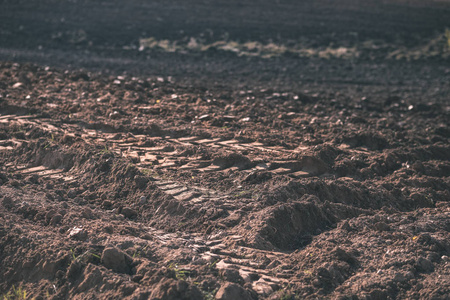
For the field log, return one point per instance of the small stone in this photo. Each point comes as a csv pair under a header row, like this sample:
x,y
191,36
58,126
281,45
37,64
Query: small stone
x,y
115,114
229,118
232,291
116,260
445,258
129,213
78,233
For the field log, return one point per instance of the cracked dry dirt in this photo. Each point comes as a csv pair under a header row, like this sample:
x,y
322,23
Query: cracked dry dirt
x,y
127,187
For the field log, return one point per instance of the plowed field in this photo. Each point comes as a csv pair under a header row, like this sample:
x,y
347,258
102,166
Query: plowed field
x,y
222,150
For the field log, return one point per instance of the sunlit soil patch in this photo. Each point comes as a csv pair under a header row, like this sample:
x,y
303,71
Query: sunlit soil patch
x,y
435,47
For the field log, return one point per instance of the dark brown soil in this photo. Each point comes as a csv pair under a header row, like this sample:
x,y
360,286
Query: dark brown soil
x,y
137,165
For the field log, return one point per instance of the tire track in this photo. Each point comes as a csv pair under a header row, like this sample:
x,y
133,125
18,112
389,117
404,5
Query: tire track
x,y
168,155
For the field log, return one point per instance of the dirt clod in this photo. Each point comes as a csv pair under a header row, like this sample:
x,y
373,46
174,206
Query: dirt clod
x,y
171,290
116,260
424,265
229,291
129,212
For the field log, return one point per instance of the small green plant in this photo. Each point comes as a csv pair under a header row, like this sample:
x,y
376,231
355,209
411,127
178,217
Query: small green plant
x,y
50,141
105,150
288,296
73,254
148,172
286,293
213,265
138,253
244,194
15,294
180,274
210,295
86,256
18,130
